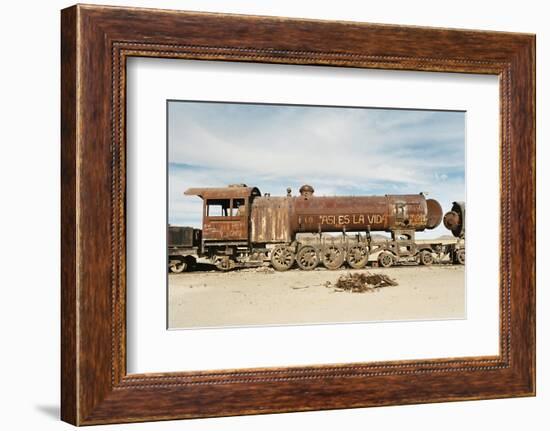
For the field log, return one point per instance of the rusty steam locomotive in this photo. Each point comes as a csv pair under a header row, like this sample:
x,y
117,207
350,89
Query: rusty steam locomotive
x,y
242,228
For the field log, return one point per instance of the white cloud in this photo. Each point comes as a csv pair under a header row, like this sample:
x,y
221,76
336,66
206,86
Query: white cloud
x,y
338,151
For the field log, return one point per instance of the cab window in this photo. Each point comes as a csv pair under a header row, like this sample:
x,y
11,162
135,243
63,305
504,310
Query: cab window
x,y
218,208
238,207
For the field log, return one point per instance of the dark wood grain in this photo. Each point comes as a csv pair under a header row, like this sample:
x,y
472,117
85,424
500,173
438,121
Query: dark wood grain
x,y
96,41
69,368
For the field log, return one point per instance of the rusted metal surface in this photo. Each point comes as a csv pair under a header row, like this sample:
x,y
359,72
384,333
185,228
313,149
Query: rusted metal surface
x,y
361,213
241,227
435,214
236,191
183,247
270,220
278,219
454,220
228,229
361,282
306,191
233,202
181,236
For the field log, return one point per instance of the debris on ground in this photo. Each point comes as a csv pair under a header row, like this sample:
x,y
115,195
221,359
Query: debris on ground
x,y
261,269
359,283
265,269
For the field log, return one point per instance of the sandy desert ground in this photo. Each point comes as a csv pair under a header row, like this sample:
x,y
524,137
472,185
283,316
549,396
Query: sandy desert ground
x,y
266,297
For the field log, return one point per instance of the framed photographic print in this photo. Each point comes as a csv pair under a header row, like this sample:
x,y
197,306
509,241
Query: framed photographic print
x,y
264,214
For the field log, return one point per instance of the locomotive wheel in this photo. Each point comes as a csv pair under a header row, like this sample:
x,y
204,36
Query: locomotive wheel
x,y
333,256
426,258
307,258
225,263
282,258
358,256
460,256
178,265
385,259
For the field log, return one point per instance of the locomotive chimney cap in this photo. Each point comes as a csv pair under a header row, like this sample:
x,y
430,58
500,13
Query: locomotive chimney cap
x,y
306,190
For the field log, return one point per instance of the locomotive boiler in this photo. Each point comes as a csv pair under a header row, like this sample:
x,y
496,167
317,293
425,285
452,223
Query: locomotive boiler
x,y
243,228
279,219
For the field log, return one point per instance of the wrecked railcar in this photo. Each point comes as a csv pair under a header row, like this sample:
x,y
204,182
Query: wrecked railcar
x,y
242,228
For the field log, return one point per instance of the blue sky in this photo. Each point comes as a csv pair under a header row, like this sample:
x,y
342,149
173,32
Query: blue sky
x,y
339,151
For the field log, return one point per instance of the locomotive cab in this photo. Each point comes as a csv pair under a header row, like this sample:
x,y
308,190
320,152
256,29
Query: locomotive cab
x,y
225,213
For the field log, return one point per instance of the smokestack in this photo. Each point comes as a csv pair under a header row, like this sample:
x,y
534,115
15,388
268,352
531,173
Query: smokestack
x,y
306,191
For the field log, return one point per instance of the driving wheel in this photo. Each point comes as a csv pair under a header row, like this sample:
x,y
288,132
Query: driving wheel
x,y
307,258
358,256
282,258
333,256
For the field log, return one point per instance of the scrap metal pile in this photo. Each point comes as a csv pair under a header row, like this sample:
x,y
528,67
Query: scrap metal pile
x,y
359,283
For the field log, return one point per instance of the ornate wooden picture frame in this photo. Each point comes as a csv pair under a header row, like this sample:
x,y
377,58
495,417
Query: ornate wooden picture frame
x,y
96,42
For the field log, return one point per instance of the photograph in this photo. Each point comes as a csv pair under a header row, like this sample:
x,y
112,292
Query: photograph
x,y
262,211
283,214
